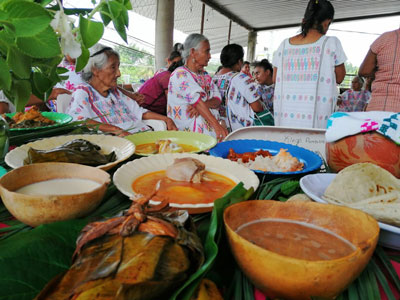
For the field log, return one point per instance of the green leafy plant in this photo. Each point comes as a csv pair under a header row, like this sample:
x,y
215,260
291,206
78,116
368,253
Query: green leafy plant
x,y
34,36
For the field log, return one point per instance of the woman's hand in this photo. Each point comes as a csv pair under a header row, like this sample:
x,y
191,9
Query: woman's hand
x,y
192,111
58,91
220,131
139,98
170,124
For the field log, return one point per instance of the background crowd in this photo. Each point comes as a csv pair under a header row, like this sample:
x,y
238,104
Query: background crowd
x,y
297,89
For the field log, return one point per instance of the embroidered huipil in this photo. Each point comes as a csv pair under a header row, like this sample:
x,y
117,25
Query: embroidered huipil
x,y
222,81
305,87
242,91
266,92
354,100
115,109
186,88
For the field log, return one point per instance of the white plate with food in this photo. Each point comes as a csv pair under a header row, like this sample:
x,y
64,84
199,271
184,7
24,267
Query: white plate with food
x,y
315,185
148,175
101,145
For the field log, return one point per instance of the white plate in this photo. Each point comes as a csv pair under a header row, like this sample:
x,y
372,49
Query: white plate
x,y
314,185
122,147
127,173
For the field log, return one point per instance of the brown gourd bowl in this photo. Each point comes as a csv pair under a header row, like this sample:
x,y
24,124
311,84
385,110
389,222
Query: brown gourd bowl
x,y
370,147
35,210
280,276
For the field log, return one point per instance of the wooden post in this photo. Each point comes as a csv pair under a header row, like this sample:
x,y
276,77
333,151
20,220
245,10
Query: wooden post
x,y
203,10
229,32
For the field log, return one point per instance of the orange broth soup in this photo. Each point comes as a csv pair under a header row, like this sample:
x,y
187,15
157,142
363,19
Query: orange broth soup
x,y
296,239
152,148
184,192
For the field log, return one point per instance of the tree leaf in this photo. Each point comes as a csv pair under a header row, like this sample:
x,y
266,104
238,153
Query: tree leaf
x,y
105,14
5,76
46,249
91,31
41,82
23,91
19,63
43,45
118,11
82,60
28,18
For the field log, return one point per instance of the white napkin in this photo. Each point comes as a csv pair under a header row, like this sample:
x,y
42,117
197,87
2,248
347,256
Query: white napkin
x,y
341,124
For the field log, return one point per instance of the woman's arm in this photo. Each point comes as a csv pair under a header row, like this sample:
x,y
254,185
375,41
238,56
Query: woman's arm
x,y
274,74
139,98
369,65
213,102
115,130
155,116
256,106
203,110
340,72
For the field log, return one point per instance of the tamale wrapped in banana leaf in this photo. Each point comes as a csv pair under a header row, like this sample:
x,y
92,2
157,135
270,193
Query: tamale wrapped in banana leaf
x,y
139,255
77,151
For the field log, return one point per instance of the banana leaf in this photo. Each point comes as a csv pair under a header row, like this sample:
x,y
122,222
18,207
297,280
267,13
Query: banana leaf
x,y
212,237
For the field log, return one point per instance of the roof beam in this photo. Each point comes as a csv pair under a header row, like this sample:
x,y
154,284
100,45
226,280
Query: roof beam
x,y
335,20
228,14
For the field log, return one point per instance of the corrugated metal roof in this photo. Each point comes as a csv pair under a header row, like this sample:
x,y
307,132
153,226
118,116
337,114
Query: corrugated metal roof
x,y
257,15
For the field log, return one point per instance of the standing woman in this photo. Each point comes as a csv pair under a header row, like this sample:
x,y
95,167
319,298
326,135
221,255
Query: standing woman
x,y
263,72
193,98
307,68
237,89
383,62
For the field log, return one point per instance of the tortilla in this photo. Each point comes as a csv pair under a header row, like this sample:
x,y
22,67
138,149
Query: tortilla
x,y
360,182
369,188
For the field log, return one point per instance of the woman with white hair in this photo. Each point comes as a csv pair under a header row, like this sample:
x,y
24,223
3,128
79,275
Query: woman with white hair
x,y
100,101
354,99
193,98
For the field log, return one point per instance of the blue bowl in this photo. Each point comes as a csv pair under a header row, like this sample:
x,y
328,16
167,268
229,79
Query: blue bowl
x,y
311,160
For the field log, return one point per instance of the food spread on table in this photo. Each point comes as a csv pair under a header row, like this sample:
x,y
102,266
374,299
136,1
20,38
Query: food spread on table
x,y
59,186
164,146
77,151
29,119
367,187
185,181
264,161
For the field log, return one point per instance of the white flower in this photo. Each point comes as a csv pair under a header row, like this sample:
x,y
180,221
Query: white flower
x,y
62,26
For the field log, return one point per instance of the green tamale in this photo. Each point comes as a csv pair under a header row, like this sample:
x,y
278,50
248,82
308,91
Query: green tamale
x,y
77,151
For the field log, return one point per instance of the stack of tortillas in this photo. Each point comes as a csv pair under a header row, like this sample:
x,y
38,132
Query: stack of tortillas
x,y
369,188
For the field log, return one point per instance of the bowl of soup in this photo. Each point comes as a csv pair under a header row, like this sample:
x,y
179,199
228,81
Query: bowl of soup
x,y
49,192
300,250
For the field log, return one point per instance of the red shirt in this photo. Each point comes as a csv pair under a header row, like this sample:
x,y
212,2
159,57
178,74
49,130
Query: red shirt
x,y
154,93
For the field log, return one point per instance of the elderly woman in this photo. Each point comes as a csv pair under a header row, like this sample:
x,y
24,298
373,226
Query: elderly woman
x,y
193,98
237,89
100,101
354,99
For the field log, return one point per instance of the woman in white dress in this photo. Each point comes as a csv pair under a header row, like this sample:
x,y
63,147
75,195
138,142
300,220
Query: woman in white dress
x,y
307,68
100,102
193,98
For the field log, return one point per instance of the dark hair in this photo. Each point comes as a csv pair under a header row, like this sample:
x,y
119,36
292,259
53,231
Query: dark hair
x,y
178,47
317,11
246,63
265,64
174,54
231,54
175,65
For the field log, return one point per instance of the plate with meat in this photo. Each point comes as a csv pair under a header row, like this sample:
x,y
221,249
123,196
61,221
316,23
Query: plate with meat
x,y
33,119
268,157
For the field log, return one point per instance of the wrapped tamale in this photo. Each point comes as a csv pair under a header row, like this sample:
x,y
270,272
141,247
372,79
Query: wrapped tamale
x,y
77,151
136,256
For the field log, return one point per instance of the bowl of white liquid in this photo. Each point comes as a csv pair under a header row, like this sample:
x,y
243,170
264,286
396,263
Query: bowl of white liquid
x,y
49,192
